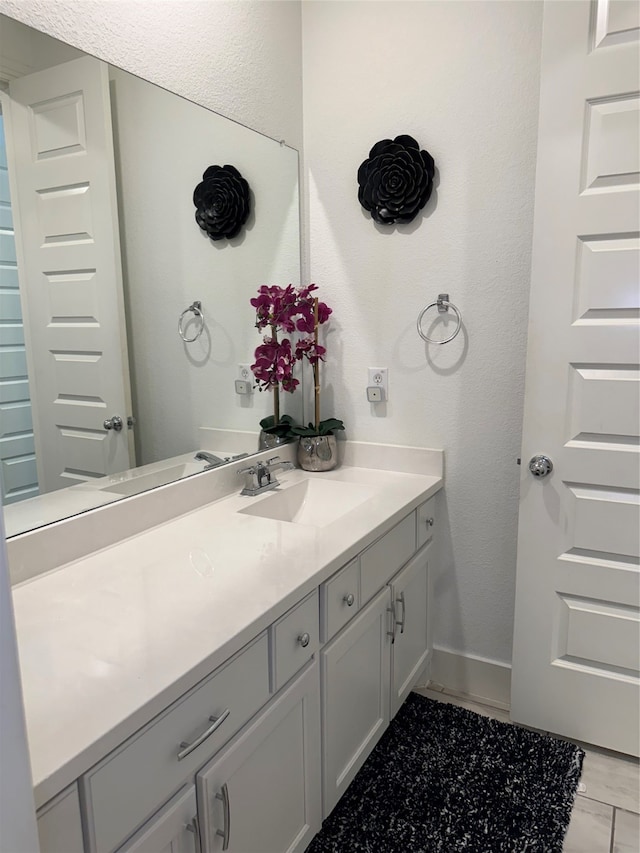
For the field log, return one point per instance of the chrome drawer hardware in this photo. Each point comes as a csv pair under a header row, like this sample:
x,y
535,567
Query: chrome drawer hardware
x,y
187,748
540,466
392,632
429,522
304,640
404,612
114,423
349,599
226,811
194,827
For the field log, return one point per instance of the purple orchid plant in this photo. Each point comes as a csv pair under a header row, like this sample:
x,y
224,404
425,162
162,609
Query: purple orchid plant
x,y
289,310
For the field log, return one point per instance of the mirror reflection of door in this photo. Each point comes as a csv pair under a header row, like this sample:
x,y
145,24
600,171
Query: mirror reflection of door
x,y
61,164
18,475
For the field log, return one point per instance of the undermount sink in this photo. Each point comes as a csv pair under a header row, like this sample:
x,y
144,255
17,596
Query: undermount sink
x,y
312,502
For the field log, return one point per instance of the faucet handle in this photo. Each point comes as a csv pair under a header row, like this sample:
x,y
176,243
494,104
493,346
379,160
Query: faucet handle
x,y
249,470
275,462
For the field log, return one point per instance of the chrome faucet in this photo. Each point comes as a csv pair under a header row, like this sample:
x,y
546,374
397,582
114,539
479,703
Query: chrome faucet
x,y
209,458
258,477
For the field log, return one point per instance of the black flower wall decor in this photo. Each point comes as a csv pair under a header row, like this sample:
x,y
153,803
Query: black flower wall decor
x,y
222,202
396,180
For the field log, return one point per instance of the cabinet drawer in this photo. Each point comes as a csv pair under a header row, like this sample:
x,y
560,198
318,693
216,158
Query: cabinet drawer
x,y
125,788
426,521
382,560
339,600
294,639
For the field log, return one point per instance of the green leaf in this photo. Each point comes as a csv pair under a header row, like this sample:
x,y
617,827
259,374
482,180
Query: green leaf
x,y
282,428
326,427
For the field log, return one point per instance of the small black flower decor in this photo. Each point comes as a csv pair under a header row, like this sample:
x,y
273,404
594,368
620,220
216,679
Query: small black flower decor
x,y
222,202
396,180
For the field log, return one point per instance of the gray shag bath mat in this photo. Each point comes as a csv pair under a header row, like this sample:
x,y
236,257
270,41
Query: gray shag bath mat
x,y
443,779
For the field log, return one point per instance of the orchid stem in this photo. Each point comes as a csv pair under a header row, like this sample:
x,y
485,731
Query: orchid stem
x,y
276,388
316,366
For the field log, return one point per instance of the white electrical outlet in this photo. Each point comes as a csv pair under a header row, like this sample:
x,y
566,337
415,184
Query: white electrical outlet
x,y
379,378
244,372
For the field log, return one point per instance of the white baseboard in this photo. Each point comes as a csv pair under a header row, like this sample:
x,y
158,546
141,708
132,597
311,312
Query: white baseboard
x,y
479,679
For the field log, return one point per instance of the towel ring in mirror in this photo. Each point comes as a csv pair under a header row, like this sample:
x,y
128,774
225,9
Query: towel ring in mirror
x,y
196,309
442,304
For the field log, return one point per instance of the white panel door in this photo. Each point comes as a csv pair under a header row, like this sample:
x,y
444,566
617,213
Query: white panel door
x,y
18,476
576,639
61,158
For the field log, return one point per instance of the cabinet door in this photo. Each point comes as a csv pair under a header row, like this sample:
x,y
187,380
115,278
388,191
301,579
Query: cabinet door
x,y
261,794
409,590
174,829
355,696
60,824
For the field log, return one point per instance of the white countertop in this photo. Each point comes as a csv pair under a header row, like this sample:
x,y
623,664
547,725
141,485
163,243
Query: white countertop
x,y
108,641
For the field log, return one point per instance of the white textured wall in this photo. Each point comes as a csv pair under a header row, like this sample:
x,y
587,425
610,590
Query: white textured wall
x,y
462,78
239,57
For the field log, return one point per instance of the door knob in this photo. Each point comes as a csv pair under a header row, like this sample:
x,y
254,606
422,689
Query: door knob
x,y
540,466
115,423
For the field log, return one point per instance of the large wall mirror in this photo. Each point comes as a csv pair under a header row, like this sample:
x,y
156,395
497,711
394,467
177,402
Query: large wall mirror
x,y
97,172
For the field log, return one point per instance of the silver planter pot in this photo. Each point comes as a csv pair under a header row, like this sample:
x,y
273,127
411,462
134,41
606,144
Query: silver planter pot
x,y
317,452
269,439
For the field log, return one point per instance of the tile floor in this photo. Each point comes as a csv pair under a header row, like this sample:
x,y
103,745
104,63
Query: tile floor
x,y
605,816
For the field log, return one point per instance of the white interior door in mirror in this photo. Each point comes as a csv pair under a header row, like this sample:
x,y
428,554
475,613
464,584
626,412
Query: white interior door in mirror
x,y
60,148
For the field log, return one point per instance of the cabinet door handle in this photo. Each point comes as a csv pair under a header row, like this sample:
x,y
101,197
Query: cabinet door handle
x,y
226,811
186,748
194,827
404,612
392,632
429,521
349,599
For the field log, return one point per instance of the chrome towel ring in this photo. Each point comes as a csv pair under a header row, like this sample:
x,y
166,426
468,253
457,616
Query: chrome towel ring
x,y
196,309
442,304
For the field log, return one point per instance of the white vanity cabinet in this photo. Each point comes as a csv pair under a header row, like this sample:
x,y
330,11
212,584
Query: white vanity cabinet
x,y
256,754
370,666
261,794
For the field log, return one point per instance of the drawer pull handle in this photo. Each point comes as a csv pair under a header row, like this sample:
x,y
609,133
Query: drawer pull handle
x,y
304,640
429,521
226,811
392,632
194,827
186,748
404,612
349,599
